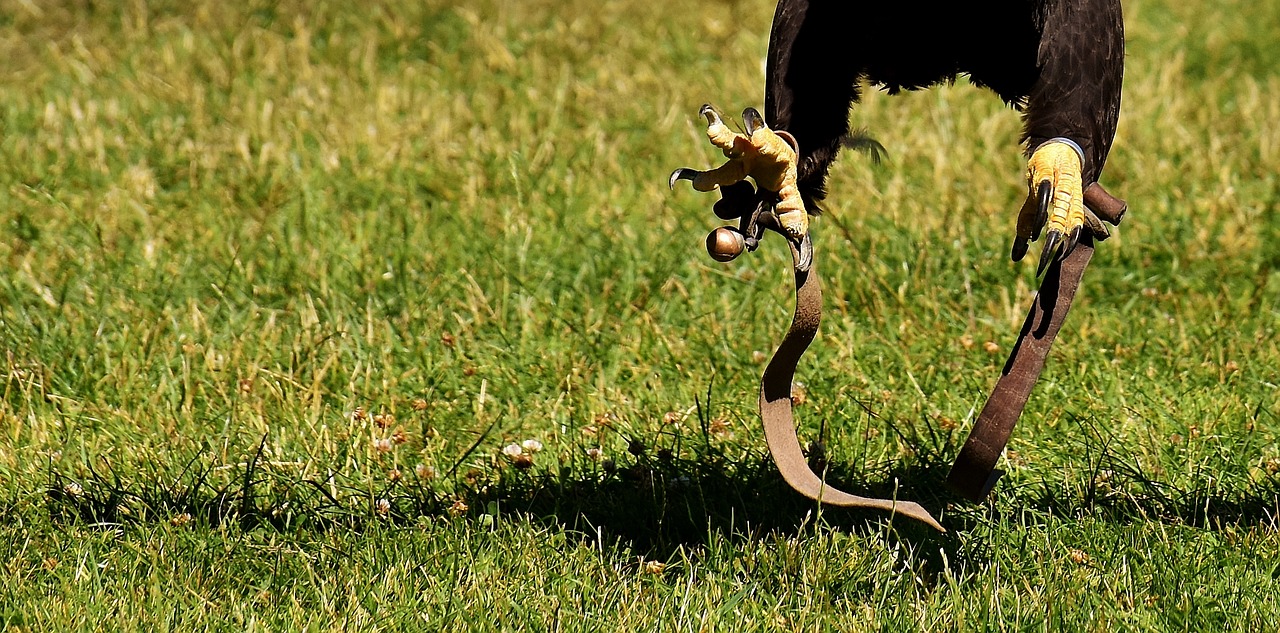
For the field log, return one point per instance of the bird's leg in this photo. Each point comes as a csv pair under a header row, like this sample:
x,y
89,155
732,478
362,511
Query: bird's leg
x,y
768,157
774,169
1055,202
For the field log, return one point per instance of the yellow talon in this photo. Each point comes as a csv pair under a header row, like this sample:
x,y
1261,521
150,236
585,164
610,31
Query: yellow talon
x,y
1060,164
761,154
1055,201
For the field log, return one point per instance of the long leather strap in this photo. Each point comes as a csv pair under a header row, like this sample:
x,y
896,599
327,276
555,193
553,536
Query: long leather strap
x,y
974,472
779,422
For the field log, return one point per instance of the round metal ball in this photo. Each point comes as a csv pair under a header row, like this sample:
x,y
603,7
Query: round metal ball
x,y
725,243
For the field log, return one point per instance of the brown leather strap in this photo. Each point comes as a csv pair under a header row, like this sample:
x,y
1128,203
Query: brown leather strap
x,y
974,472
779,422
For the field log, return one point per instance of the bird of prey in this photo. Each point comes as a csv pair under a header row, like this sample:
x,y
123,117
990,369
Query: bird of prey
x,y
1060,62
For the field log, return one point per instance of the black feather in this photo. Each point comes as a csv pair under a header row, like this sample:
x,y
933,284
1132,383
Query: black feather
x,y
1060,61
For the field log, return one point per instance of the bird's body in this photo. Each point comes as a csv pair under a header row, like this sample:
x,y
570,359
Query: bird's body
x,y
1060,61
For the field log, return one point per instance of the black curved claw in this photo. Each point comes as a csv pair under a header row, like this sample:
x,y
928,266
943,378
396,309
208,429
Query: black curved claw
x,y
804,254
752,120
684,173
710,112
1045,193
1019,249
1051,250
1072,240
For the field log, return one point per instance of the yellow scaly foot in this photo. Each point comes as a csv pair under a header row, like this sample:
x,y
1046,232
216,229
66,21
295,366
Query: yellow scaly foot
x,y
1055,202
766,156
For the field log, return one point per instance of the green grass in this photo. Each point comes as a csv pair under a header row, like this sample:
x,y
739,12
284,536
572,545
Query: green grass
x,y
245,244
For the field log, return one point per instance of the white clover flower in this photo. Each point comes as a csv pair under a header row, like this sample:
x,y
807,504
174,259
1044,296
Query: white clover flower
x,y
383,507
512,450
383,444
532,446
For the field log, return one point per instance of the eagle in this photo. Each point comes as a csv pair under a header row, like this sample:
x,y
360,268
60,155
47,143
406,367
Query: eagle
x,y
1059,62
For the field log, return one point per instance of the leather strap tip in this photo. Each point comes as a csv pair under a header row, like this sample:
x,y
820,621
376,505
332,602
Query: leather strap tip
x,y
915,511
1106,206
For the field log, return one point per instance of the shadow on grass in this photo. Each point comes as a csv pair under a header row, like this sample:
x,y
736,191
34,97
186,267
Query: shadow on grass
x,y
655,503
1120,490
652,502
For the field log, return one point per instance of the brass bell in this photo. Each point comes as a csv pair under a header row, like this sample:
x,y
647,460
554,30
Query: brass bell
x,y
725,244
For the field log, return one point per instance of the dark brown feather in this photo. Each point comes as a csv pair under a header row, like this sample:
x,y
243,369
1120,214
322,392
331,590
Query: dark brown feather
x,y
1060,61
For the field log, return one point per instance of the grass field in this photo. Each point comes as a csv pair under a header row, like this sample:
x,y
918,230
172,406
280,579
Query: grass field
x,y
282,279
